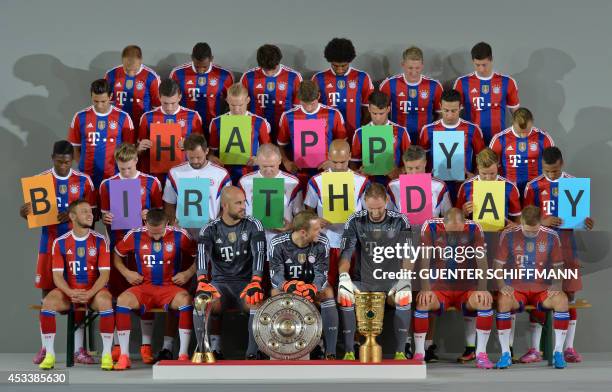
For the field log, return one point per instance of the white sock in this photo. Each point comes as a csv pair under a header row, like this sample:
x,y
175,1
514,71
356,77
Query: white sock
x,y
79,334
571,332
146,328
107,342
469,324
48,339
168,342
124,341
215,343
409,339
513,317
536,335
184,337
428,343
483,339
560,335
419,343
504,339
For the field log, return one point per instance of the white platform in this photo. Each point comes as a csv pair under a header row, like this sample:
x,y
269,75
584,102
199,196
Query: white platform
x,y
389,371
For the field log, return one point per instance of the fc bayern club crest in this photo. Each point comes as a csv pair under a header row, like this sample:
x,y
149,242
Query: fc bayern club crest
x,y
213,82
113,125
282,86
541,247
169,247
424,94
352,84
533,146
244,236
311,259
74,189
182,123
496,89
139,85
142,190
92,251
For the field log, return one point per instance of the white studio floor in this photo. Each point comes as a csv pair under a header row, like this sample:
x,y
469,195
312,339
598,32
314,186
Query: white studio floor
x,y
594,374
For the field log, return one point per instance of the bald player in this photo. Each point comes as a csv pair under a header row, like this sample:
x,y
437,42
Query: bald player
x,y
231,255
339,157
268,160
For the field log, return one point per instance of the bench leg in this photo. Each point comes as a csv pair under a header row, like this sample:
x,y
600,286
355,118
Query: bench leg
x,y
89,323
548,337
70,339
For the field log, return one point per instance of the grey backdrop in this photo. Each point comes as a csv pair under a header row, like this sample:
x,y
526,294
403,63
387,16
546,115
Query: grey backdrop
x,y
558,51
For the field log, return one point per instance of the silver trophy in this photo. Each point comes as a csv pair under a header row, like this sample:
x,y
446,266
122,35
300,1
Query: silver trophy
x,y
287,327
203,306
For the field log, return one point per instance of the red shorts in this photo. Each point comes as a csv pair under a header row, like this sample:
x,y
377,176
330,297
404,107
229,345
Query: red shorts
x,y
451,298
102,290
534,298
44,274
150,296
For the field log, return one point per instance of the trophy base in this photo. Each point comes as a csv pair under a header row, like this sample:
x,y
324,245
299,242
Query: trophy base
x,y
370,354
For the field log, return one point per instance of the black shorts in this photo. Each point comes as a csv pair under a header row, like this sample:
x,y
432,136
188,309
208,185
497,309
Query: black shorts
x,y
230,293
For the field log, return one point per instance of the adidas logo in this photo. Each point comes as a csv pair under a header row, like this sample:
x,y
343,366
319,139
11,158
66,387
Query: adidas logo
x,y
69,252
219,241
329,85
258,85
474,90
145,246
118,84
509,148
519,248
90,125
189,82
288,261
401,94
544,193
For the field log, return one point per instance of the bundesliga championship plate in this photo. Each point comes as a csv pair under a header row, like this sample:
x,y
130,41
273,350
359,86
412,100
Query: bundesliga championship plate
x,y
287,327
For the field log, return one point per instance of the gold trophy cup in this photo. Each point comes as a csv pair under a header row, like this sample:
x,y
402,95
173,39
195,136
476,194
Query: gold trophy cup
x,y
203,305
370,311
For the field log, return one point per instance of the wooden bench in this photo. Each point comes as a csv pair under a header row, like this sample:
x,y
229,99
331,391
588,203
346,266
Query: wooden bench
x,y
87,322
547,343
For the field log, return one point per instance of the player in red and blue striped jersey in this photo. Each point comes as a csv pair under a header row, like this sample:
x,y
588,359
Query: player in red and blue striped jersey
x,y
450,121
379,106
135,86
543,192
309,109
415,98
487,162
203,84
487,94
160,251
342,86
532,247
520,149
95,133
169,112
470,295
272,87
80,271
70,185
238,100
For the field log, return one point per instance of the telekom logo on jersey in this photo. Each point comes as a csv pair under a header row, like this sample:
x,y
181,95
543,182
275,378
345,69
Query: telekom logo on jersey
x,y
478,102
548,206
93,138
149,261
121,97
262,99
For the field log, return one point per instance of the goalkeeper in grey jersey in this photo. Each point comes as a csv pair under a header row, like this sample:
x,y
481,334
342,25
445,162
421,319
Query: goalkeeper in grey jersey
x,y
361,226
231,255
299,261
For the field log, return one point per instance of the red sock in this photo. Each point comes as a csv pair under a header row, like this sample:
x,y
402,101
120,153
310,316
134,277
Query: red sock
x,y
484,320
421,321
561,320
503,321
123,319
47,321
573,314
537,316
107,321
185,317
